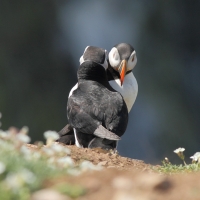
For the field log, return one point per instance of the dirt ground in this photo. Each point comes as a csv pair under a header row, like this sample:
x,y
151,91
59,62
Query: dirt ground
x,y
128,179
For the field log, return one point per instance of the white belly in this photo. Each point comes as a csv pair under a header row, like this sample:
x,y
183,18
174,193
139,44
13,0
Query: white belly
x,y
128,90
76,140
74,88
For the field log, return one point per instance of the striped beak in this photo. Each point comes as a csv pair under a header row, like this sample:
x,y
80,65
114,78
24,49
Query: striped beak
x,y
122,70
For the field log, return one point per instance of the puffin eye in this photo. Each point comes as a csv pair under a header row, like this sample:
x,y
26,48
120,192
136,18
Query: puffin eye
x,y
133,56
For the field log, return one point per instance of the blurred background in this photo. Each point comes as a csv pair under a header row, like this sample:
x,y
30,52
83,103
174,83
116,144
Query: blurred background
x,y
40,46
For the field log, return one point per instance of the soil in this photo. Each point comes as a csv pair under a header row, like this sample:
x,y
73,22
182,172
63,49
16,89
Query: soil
x,y
128,179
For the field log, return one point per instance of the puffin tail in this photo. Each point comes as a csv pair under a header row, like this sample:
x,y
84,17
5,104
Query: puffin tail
x,y
104,133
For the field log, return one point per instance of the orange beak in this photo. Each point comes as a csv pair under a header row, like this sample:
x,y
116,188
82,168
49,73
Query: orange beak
x,y
122,70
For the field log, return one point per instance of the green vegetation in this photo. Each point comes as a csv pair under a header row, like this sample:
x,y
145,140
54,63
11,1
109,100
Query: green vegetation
x,y
24,170
168,168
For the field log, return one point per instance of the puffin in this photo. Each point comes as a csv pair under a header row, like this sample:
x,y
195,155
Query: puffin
x,y
121,61
97,112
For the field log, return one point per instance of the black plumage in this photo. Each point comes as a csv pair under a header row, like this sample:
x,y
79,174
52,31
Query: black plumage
x,y
95,109
124,50
66,135
98,55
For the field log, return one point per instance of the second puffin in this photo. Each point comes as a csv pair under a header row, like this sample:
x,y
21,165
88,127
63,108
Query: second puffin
x,y
97,113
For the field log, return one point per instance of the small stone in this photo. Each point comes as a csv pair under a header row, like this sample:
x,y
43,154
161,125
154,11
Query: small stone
x,y
155,182
103,163
100,150
112,166
164,185
92,184
123,183
115,160
121,195
114,156
48,194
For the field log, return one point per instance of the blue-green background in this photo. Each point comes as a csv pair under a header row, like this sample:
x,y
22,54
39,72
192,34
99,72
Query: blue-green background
x,y
40,46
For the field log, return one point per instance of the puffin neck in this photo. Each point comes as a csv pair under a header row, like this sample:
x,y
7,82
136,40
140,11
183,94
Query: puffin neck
x,y
92,71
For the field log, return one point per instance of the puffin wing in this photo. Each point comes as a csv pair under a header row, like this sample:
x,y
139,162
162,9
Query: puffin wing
x,y
66,135
87,117
116,114
104,133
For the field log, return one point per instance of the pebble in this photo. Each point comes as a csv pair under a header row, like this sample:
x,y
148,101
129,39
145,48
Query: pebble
x,y
103,163
121,195
115,160
123,183
112,166
48,194
121,164
114,156
155,182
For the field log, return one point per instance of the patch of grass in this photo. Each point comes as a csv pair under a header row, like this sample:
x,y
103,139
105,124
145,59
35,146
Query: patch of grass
x,y
168,168
73,191
24,170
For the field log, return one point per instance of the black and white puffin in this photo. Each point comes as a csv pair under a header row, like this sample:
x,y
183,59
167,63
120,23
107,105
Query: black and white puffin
x,y
121,60
97,112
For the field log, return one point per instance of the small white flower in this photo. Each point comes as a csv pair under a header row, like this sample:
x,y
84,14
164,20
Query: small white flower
x,y
28,176
13,181
26,152
73,171
60,148
48,151
3,134
23,138
51,134
180,154
65,161
36,155
24,130
18,179
87,165
179,150
2,168
195,157
5,145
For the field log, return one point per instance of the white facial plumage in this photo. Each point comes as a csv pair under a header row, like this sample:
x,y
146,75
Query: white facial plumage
x,y
132,61
115,60
81,60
